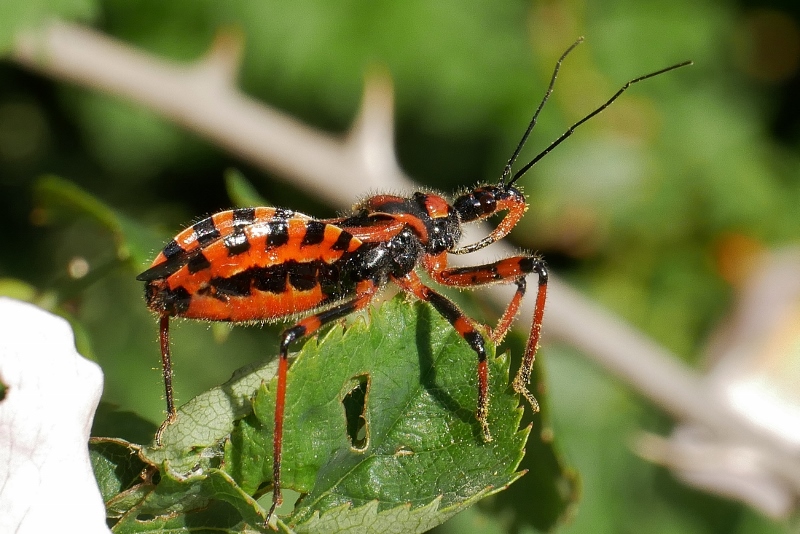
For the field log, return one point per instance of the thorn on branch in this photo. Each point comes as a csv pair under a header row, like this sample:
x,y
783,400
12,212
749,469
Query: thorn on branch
x,y
220,65
371,137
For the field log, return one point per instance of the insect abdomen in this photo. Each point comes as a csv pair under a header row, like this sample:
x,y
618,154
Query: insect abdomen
x,y
250,264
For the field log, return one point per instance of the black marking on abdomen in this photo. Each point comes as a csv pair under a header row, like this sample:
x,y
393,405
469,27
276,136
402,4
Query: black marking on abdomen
x,y
330,278
197,263
206,231
243,216
270,279
281,278
172,249
315,233
176,259
303,276
233,286
343,241
278,232
237,242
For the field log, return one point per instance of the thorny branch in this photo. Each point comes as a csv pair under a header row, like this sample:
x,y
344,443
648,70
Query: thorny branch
x,y
203,98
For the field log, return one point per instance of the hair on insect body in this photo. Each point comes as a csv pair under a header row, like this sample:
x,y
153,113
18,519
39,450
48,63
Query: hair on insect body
x,y
268,264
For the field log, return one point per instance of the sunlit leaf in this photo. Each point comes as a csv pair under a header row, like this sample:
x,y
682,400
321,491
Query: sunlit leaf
x,y
420,457
423,442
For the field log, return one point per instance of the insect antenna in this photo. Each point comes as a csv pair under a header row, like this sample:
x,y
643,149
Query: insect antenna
x,y
515,155
572,128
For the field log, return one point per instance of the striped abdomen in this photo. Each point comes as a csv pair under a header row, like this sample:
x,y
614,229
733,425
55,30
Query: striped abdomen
x,y
250,264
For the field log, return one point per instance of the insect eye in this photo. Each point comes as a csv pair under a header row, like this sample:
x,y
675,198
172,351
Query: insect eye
x,y
488,203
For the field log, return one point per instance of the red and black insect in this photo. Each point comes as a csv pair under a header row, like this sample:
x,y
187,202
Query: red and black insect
x,y
265,264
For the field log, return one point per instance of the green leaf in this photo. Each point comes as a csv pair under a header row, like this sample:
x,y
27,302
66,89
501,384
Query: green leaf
x,y
208,419
400,519
116,465
207,501
143,499
415,459
424,445
543,497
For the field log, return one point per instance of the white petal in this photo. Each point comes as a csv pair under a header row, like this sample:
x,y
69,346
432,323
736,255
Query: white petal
x,y
46,481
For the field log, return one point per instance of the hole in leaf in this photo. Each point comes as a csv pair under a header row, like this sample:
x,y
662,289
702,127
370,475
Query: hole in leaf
x,y
355,410
402,450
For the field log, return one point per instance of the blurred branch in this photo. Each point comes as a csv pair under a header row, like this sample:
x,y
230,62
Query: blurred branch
x,y
203,98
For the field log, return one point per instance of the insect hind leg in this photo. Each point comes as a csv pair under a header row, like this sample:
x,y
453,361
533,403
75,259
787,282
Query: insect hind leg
x,y
304,328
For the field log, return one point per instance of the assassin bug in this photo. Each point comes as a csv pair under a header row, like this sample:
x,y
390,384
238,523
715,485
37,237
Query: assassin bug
x,y
265,264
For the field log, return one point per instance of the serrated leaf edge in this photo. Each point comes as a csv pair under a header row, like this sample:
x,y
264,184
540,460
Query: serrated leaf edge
x,y
437,516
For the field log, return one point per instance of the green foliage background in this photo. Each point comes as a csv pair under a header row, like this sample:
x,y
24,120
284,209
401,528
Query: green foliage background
x,y
645,209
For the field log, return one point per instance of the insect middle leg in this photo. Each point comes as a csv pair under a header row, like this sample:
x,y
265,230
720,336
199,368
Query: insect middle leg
x,y
304,328
466,329
508,270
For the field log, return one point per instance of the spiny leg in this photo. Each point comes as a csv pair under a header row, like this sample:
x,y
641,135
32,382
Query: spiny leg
x,y
166,370
523,377
504,271
465,328
498,333
306,327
